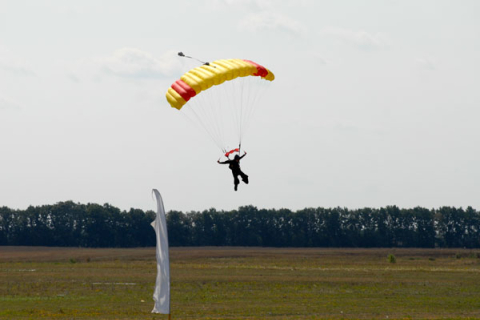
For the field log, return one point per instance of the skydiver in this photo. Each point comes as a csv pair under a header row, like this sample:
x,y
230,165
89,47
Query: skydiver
x,y
234,165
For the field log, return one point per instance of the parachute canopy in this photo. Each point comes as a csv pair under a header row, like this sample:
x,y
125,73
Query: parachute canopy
x,y
221,97
214,73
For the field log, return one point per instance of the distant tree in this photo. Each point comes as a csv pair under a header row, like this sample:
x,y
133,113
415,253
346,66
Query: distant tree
x,y
178,229
97,227
333,227
424,227
450,227
471,238
40,232
385,229
367,228
267,228
301,227
395,225
7,226
64,220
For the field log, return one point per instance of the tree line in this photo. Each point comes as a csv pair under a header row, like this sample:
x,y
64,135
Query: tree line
x,y
70,224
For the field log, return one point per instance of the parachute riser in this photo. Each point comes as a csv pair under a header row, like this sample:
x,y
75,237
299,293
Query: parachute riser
x,y
236,150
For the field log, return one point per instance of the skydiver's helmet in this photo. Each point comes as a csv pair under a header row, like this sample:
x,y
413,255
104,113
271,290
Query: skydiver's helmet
x,y
237,157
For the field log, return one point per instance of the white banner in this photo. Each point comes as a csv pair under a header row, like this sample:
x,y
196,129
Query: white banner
x,y
161,295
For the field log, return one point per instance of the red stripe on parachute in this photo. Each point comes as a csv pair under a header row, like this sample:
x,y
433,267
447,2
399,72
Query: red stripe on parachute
x,y
261,70
183,89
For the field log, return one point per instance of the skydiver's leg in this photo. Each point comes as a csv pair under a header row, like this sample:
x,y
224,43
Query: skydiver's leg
x,y
235,181
244,177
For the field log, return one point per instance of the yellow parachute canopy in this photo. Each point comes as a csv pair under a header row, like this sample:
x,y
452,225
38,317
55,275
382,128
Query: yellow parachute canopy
x,y
214,73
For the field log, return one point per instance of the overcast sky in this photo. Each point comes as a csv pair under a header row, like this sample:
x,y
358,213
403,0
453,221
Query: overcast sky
x,y
374,103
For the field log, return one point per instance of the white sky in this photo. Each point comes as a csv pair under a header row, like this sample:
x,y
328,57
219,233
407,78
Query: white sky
x,y
375,103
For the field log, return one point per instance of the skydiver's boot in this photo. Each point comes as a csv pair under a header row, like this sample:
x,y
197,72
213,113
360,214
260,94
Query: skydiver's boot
x,y
236,187
245,178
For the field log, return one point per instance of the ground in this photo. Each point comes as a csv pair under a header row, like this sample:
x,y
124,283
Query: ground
x,y
241,283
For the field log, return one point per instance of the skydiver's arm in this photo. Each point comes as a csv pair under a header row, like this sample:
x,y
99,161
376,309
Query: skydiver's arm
x,y
223,162
243,154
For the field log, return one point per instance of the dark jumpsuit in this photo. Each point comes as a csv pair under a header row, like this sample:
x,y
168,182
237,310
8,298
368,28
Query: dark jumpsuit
x,y
234,165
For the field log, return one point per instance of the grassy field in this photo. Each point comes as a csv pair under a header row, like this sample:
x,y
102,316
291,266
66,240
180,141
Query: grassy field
x,y
241,283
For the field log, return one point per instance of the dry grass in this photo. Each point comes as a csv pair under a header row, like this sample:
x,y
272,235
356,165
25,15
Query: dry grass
x,y
241,283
